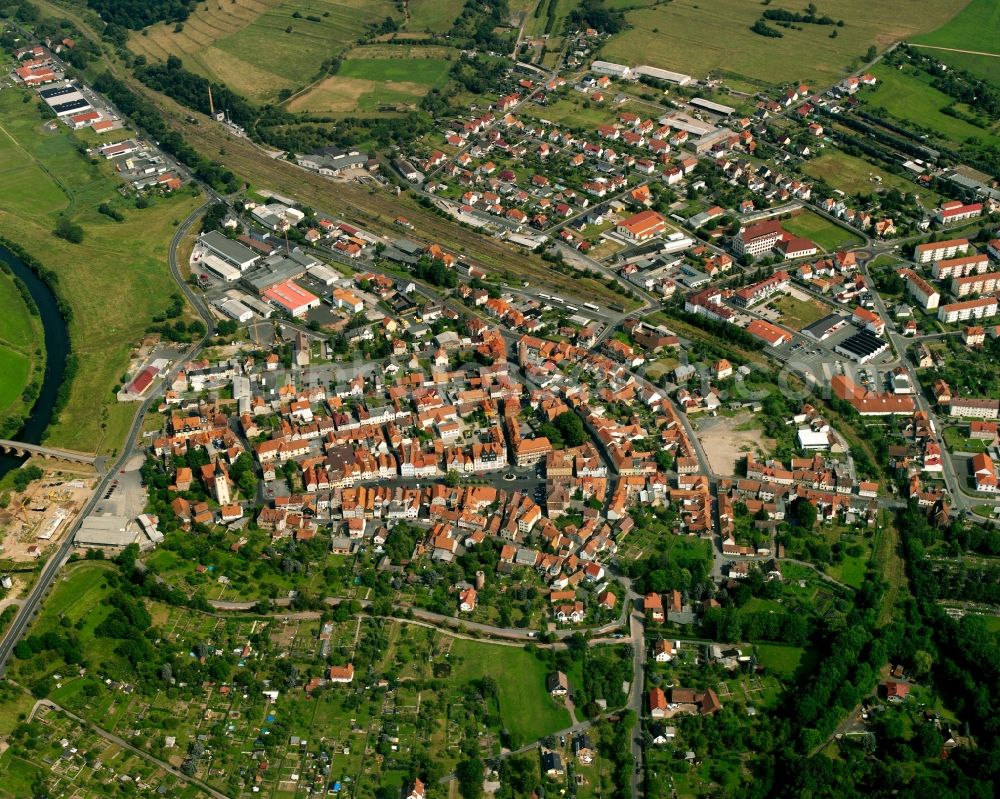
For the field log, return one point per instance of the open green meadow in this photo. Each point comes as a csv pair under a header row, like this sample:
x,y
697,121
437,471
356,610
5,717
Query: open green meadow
x,y
906,94
526,707
854,175
20,343
822,231
976,27
119,265
434,16
369,84
684,35
259,47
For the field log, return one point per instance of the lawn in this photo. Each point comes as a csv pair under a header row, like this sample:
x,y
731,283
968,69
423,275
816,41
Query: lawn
x,y
528,711
783,660
956,442
906,95
118,265
796,313
684,35
825,233
855,175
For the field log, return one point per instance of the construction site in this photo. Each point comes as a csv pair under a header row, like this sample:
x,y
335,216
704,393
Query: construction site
x,y
36,519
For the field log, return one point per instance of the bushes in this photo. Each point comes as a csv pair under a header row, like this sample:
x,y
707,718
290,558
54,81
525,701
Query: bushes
x,y
70,231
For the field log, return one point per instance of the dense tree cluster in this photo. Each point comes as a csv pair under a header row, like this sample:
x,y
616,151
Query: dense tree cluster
x,y
595,14
136,14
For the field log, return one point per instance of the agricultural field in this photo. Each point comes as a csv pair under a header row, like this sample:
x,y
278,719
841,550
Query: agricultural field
x,y
854,175
826,234
389,79
684,36
118,265
975,28
906,95
20,351
248,45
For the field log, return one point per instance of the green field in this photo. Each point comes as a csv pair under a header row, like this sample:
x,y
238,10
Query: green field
x,y
975,27
783,660
246,43
854,175
907,95
20,343
78,596
436,16
685,35
526,707
369,85
118,266
822,231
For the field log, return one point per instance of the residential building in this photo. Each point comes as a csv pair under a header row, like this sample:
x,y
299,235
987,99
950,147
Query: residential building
x,y
974,407
956,211
959,267
922,291
938,250
983,308
975,284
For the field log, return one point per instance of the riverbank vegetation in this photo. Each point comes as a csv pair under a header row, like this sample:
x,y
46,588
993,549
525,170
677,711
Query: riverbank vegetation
x,y
22,353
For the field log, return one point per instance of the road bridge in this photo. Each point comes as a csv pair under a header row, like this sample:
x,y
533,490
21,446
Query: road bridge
x,y
21,449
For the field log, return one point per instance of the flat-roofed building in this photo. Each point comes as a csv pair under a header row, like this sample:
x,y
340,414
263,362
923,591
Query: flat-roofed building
x,y
232,251
937,250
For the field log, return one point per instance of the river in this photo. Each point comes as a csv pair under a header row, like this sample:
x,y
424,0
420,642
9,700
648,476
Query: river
x,y
56,351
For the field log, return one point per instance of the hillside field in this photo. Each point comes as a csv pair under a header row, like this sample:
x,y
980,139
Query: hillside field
x,y
246,44
975,27
906,94
699,38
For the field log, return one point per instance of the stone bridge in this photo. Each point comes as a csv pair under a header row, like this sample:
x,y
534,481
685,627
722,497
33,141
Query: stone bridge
x,y
21,449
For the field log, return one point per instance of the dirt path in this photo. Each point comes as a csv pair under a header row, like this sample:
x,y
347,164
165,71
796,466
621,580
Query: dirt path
x,y
956,50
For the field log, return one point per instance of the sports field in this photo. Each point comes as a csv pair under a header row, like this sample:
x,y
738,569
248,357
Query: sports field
x,y
825,233
368,85
20,342
976,27
686,36
855,175
247,44
907,95
118,266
